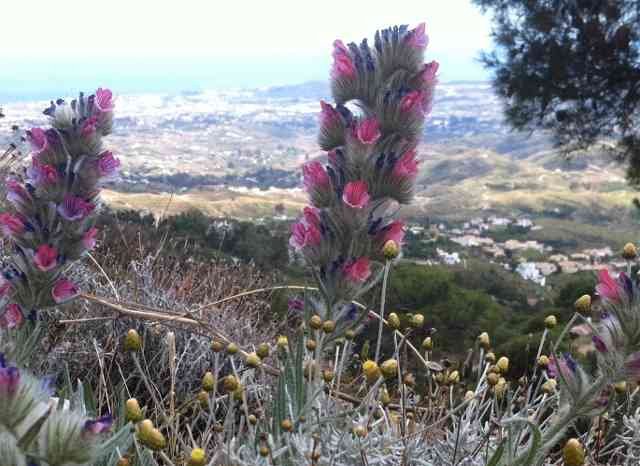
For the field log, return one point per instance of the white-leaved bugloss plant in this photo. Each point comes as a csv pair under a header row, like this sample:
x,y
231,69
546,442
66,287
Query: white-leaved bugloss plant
x,y
382,96
36,431
51,219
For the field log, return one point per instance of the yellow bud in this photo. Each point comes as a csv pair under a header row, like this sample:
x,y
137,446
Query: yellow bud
x,y
490,358
197,457
360,431
133,412
232,348
484,341
573,453
492,378
230,383
315,322
543,361
328,326
264,451
253,360
203,399
217,346
454,377
500,388
390,250
549,387
385,399
389,368
583,304
282,342
132,341
311,344
371,370
503,364
327,375
409,379
417,321
629,252
238,393
349,334
286,425
208,382
124,461
253,420
439,377
151,437
620,387
394,321
427,344
263,350
550,322
470,395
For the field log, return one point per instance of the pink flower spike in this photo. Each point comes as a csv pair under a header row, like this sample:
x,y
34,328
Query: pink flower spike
x,y
46,258
5,287
417,38
104,100
607,287
429,73
339,48
16,193
406,166
89,238
343,67
108,165
356,194
311,216
75,208
315,176
357,271
11,225
9,378
329,116
413,102
368,131
303,235
41,174
392,232
63,291
38,139
12,317
89,126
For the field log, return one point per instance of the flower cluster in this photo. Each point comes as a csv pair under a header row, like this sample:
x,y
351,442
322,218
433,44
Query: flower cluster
x,y
371,159
51,218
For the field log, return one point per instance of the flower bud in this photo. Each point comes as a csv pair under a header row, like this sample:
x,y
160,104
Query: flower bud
x,y
503,364
390,250
385,398
286,425
629,252
217,346
573,453
493,378
132,411
203,399
253,420
470,395
315,322
328,326
282,342
360,431
208,382
483,340
417,321
389,368
253,360
371,370
454,377
620,387
549,387
124,461
550,322
238,393
132,341
263,350
197,457
427,344
394,321
350,334
500,388
264,451
230,383
409,379
490,358
327,375
583,304
311,344
151,437
543,361
232,349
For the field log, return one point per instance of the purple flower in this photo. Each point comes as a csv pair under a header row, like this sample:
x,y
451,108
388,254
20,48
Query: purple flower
x,y
104,100
367,131
46,258
37,137
9,378
64,290
599,343
75,208
296,304
89,238
356,194
417,38
41,174
343,67
11,225
315,177
632,366
107,164
12,317
608,288
98,426
406,168
329,116
358,270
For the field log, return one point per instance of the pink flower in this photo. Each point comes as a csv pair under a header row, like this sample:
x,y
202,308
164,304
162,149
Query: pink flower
x,y
63,291
16,193
11,225
41,174
406,166
12,317
107,164
38,139
75,208
343,66
417,38
413,102
429,72
5,287
329,116
315,177
368,131
89,238
356,194
306,232
46,257
104,100
89,126
311,216
357,271
607,287
394,231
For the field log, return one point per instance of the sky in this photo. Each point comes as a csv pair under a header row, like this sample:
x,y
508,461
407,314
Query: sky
x,y
197,44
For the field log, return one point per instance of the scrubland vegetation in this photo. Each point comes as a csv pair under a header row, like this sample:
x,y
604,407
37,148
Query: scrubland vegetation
x,y
188,340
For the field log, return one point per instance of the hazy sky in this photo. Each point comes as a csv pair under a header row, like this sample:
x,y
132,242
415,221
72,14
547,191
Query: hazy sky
x,y
239,40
